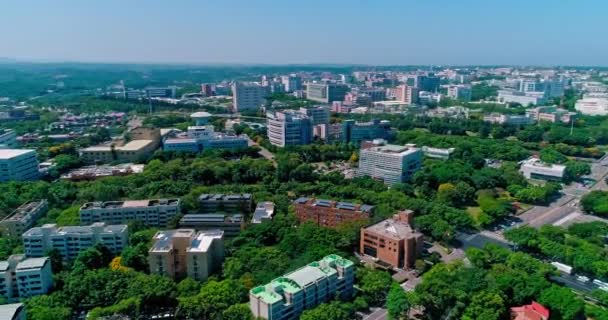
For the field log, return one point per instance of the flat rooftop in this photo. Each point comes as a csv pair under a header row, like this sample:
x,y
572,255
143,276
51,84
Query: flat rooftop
x,y
392,148
129,204
25,210
6,154
135,145
32,263
199,241
393,229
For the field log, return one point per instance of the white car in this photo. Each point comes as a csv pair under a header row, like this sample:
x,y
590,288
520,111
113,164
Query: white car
x,y
582,278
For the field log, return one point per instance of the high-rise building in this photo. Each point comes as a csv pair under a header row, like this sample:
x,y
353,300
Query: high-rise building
x,y
8,139
460,92
23,218
317,114
428,83
185,252
70,240
153,213
326,92
355,132
207,89
286,297
288,128
248,96
22,277
292,82
389,163
18,165
406,94
393,241
328,213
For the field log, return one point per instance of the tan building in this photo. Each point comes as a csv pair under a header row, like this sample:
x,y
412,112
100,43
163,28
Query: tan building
x,y
406,94
392,242
185,252
23,218
144,141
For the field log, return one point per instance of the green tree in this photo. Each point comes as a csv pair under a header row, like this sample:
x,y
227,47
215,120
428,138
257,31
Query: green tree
x,y
237,312
397,302
564,303
374,285
485,306
334,310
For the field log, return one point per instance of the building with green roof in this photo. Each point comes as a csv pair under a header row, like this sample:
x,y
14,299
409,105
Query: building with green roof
x,y
287,296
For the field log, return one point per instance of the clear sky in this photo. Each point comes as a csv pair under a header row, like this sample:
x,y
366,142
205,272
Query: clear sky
x,y
547,32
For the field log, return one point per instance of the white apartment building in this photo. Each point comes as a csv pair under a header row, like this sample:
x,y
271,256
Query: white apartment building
x,y
22,277
292,82
71,240
534,168
23,218
18,165
286,297
592,106
153,213
248,96
288,128
185,252
389,163
8,139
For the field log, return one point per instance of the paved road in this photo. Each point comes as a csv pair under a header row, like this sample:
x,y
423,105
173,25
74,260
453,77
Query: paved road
x,y
479,240
378,314
263,151
541,215
572,283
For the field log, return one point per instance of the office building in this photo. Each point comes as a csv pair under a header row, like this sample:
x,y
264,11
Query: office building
x,y
532,311
286,297
264,211
23,218
550,114
389,163
534,168
232,203
22,277
161,92
437,153
207,89
288,128
200,138
69,241
292,82
248,96
8,139
317,114
592,106
511,119
428,83
18,165
460,92
374,94
13,311
406,94
230,224
186,253
329,213
326,92
153,213
393,243
523,98
355,132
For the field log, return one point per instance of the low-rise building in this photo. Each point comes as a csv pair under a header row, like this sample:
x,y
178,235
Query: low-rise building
x,y
454,112
534,168
264,211
199,138
592,106
511,119
286,297
8,139
393,243
550,114
438,153
532,311
460,92
523,98
329,213
185,252
22,277
233,203
23,218
13,311
96,172
153,213
69,241
18,165
230,224
389,163
133,151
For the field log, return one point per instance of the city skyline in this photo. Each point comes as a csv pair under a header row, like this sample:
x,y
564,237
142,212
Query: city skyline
x,y
470,32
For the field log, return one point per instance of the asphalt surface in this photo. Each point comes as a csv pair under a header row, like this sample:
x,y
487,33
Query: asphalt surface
x,y
478,240
378,314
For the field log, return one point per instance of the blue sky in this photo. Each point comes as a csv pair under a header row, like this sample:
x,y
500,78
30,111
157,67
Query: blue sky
x,y
547,32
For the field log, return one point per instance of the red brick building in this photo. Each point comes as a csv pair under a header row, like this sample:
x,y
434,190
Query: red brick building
x,y
533,311
329,213
393,242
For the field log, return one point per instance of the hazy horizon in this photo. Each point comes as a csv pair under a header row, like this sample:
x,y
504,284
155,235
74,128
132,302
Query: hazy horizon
x,y
271,32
